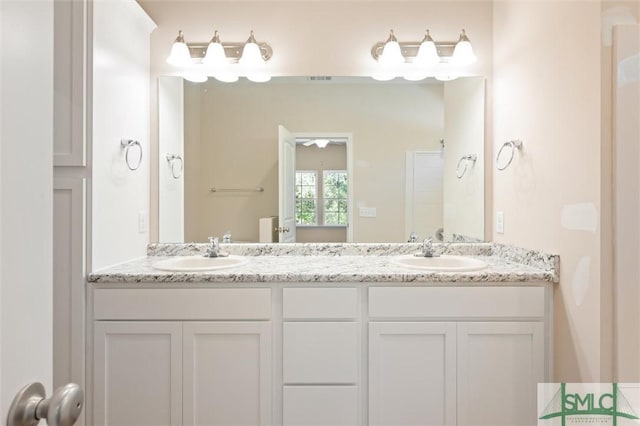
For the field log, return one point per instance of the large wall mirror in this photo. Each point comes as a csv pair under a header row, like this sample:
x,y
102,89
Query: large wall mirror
x,y
363,161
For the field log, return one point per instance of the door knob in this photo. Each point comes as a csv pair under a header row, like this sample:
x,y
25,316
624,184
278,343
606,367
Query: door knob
x,y
282,229
30,406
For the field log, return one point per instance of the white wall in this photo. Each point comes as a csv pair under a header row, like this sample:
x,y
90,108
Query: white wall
x,y
547,93
464,135
120,110
26,188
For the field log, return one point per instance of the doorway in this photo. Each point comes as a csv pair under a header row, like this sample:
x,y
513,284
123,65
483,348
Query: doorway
x,y
323,187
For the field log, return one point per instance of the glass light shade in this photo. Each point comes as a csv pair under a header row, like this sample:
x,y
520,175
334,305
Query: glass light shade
x,y
463,52
415,74
445,76
383,74
179,56
259,76
391,54
427,54
194,76
215,56
251,56
225,75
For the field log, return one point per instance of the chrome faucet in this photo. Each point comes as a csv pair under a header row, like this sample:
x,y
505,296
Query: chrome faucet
x,y
413,237
213,250
427,248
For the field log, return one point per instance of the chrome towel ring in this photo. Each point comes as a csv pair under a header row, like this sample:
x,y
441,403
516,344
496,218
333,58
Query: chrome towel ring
x,y
514,144
126,144
464,161
174,159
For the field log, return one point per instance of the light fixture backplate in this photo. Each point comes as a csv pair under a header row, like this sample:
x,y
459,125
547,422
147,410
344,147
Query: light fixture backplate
x,y
233,51
409,49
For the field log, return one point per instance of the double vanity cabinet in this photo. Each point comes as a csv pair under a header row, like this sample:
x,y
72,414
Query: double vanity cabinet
x,y
318,353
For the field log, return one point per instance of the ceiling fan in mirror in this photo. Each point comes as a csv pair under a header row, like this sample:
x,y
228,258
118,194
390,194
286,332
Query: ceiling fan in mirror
x,y
319,142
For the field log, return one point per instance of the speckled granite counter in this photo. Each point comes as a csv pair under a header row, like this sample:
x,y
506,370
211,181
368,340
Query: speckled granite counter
x,y
315,263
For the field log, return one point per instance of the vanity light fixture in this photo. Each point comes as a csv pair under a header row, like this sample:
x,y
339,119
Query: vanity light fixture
x,y
215,55
252,61
415,60
427,52
179,56
463,52
223,61
391,53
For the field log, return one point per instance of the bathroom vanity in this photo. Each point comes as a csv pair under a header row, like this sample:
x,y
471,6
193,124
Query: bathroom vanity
x,y
321,335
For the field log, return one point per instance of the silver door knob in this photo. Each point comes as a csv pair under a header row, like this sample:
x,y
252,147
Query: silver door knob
x,y
282,229
30,406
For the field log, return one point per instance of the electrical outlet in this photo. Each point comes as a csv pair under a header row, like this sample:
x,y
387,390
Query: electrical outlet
x,y
368,212
142,222
500,222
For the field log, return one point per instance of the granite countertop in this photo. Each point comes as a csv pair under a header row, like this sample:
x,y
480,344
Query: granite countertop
x,y
334,266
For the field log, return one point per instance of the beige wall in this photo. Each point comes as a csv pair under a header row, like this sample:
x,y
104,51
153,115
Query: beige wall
x,y
547,93
193,212
385,121
315,38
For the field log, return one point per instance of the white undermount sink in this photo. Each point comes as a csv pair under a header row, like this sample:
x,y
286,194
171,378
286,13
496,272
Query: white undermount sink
x,y
199,263
443,263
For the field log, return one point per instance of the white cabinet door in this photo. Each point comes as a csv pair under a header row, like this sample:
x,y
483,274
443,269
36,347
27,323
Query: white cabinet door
x,y
499,366
320,406
137,373
227,373
412,373
320,353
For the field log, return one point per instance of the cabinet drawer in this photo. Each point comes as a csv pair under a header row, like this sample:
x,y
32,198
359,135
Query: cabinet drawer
x,y
320,303
320,352
456,302
320,405
182,304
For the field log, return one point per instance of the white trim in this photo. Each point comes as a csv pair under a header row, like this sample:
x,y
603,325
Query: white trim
x,y
316,198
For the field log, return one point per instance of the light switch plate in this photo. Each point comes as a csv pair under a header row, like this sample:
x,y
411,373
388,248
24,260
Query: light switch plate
x,y
500,222
142,222
368,212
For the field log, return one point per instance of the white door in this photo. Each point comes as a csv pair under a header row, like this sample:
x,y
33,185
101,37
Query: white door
x,y
286,185
424,194
412,373
26,185
499,366
227,373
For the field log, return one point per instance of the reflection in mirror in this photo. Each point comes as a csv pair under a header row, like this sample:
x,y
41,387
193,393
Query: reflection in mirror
x,y
400,165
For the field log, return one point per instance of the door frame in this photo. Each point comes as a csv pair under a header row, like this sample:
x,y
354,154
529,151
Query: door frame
x,y
348,137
